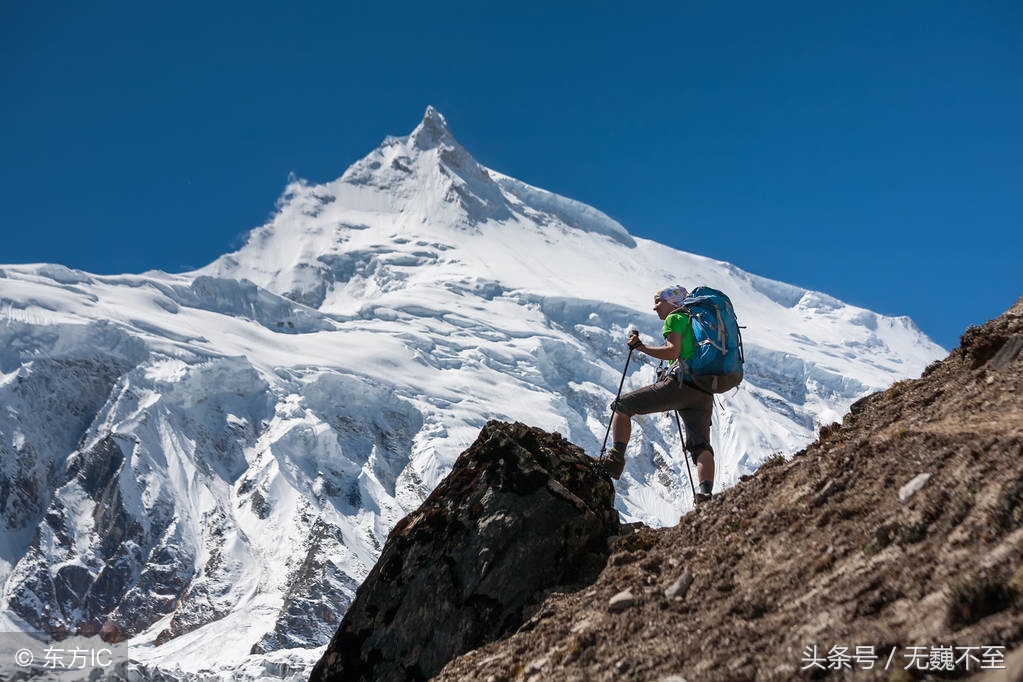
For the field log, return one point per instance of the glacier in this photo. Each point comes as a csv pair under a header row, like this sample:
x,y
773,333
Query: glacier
x,y
200,468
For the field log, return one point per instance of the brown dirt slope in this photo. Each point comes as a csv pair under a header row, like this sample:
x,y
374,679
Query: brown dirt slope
x,y
827,549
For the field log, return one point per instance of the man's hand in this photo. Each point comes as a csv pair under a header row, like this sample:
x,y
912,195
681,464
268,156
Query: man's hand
x,y
634,341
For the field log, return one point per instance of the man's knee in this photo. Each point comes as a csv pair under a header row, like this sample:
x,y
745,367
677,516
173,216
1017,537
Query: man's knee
x,y
618,407
699,449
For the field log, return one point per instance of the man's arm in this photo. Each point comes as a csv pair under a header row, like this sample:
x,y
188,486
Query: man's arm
x,y
670,351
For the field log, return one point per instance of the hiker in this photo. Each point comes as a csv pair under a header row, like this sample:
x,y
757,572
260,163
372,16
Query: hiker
x,y
669,392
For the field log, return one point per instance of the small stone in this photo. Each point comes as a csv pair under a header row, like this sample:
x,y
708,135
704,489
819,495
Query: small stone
x,y
536,665
582,626
680,587
913,487
621,602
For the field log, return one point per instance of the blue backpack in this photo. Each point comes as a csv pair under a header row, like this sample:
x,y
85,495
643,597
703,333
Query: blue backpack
x,y
717,360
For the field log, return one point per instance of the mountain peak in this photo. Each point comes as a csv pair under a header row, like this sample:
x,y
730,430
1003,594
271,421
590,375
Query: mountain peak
x,y
432,131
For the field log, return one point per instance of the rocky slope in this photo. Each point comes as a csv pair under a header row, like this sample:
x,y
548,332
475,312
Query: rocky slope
x,y
891,548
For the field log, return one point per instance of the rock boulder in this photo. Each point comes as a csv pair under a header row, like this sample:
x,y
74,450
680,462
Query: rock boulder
x,y
521,513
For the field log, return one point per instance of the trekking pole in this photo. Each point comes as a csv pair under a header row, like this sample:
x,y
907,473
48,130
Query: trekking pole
x,y
603,448
684,453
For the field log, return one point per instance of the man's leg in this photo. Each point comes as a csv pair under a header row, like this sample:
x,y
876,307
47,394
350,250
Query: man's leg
x,y
646,400
697,414
705,471
621,427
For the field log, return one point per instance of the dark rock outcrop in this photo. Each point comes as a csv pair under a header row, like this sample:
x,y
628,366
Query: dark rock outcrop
x,y
521,513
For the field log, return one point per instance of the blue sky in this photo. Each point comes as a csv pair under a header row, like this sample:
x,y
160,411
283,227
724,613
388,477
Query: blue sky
x,y
870,150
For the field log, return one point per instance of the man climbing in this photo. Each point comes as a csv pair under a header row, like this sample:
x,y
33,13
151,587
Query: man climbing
x,y
669,392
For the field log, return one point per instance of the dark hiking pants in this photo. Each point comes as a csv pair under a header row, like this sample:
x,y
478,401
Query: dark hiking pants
x,y
695,407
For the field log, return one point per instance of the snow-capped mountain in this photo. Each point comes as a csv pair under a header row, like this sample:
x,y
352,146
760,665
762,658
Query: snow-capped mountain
x,y
204,466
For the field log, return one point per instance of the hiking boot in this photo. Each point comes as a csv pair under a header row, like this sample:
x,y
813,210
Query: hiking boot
x,y
704,492
613,463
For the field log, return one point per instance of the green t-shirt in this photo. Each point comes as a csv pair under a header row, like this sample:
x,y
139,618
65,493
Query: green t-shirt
x,y
679,322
